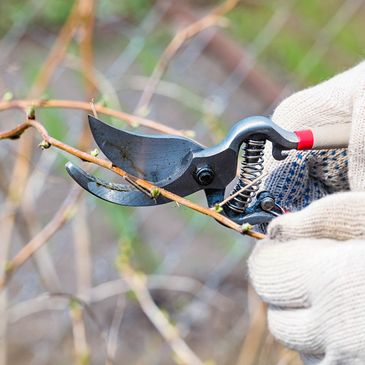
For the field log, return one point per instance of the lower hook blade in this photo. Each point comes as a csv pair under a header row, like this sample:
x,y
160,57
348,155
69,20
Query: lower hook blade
x,y
115,193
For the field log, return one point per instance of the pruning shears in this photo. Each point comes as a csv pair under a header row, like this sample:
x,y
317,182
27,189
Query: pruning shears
x,y
183,166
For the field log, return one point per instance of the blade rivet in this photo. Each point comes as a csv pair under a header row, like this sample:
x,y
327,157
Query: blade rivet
x,y
204,175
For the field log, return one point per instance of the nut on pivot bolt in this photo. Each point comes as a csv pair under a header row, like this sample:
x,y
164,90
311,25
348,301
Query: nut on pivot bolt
x,y
204,175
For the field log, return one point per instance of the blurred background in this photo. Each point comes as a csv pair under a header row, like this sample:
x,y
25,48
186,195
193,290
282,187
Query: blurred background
x,y
71,302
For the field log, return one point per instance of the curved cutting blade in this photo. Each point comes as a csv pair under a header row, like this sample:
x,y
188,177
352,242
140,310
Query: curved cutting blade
x,y
157,158
111,192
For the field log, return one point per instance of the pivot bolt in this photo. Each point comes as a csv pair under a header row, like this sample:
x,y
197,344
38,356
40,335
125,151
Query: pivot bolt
x,y
204,175
267,203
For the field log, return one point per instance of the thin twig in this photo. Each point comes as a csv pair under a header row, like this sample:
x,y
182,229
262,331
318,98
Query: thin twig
x,y
50,141
59,219
42,257
253,182
287,356
82,241
137,283
57,52
255,333
81,348
21,168
113,340
92,104
212,19
82,244
133,120
74,301
117,287
87,18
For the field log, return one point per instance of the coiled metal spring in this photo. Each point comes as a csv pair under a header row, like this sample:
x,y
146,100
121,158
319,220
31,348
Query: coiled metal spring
x,y
251,168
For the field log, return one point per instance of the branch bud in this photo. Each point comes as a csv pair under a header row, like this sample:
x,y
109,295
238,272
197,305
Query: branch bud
x,y
218,208
246,227
94,152
31,113
44,145
155,192
8,96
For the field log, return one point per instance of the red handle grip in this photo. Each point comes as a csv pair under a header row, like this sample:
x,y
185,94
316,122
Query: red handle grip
x,y
324,137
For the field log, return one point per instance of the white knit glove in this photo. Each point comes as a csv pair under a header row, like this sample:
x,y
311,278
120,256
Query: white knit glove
x,y
314,281
336,101
311,269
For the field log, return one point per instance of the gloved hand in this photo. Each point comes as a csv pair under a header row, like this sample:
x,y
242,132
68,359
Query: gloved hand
x,y
309,175
311,272
311,269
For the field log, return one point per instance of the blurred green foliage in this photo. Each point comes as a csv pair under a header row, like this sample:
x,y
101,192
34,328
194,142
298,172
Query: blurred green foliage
x,y
246,22
54,122
155,45
15,12
290,46
134,9
54,12
285,52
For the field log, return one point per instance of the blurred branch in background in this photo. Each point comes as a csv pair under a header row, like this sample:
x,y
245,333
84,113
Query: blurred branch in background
x,y
137,282
133,120
21,168
62,216
188,32
170,61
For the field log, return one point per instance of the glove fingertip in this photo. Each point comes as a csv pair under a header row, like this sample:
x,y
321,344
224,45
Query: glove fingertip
x,y
276,232
279,227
